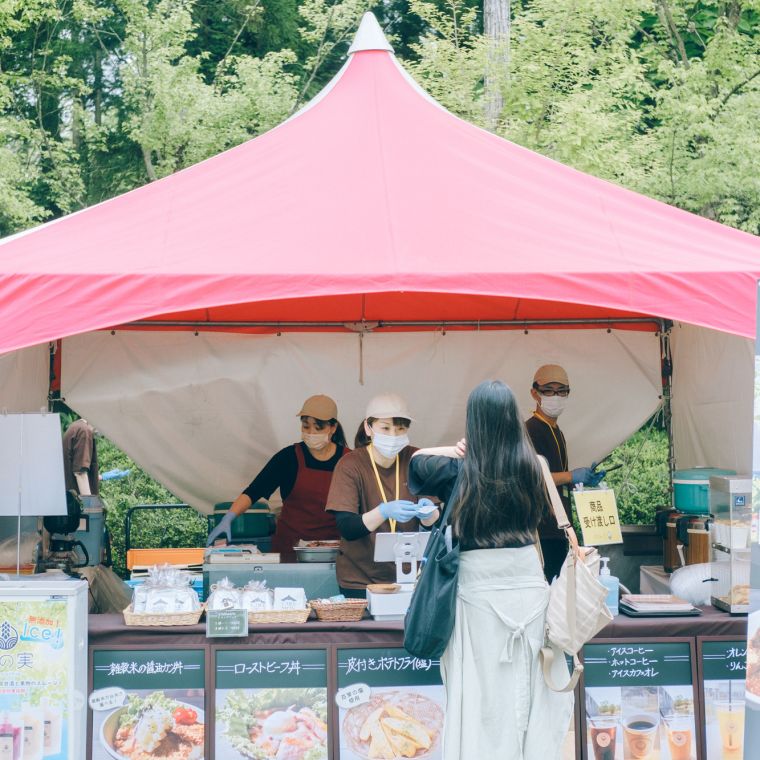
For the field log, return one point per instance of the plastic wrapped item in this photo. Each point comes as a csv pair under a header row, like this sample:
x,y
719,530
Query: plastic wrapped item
x,y
289,599
166,590
224,596
256,597
694,583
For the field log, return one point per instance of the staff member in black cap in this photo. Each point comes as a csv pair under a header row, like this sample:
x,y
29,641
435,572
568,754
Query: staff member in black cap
x,y
550,391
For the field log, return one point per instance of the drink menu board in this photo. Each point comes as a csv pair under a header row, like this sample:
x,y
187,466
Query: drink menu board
x,y
639,701
271,704
37,645
148,703
724,666
390,705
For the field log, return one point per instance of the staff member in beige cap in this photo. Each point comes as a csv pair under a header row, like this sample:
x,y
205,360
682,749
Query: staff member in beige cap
x,y
302,472
369,494
550,391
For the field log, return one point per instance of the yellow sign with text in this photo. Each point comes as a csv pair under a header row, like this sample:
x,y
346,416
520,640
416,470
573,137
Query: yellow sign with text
x,y
598,515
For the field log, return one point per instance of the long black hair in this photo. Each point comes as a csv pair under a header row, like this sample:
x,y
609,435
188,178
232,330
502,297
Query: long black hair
x,y
501,496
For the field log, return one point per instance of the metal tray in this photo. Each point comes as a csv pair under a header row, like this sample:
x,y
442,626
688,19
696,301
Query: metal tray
x,y
316,553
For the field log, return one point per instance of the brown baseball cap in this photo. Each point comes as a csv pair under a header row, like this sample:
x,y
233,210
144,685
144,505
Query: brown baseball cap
x,y
550,373
319,407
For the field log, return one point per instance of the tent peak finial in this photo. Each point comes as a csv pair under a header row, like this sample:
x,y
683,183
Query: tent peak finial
x,y
369,36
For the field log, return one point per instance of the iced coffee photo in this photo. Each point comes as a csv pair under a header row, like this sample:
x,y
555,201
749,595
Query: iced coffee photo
x,y
602,732
603,709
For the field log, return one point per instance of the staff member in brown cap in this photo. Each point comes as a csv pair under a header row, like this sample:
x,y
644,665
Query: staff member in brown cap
x,y
369,494
302,472
550,391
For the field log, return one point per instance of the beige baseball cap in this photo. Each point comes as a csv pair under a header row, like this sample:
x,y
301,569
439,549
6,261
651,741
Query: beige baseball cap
x,y
551,373
320,408
388,405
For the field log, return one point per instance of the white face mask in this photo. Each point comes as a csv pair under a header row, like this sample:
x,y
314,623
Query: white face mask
x,y
389,445
316,441
553,406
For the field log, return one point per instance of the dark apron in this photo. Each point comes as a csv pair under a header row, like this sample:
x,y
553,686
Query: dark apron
x,y
303,512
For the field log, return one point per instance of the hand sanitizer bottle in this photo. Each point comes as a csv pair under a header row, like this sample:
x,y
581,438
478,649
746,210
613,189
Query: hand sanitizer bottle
x,y
611,583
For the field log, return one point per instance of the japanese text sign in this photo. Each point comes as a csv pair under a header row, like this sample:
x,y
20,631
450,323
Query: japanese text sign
x,y
386,667
598,515
148,668
271,668
637,664
725,660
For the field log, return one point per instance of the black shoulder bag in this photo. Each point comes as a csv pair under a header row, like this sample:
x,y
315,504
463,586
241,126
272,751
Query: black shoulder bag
x,y
429,620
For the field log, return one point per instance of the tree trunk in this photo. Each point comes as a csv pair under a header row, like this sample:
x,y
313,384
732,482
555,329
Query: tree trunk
x,y
496,22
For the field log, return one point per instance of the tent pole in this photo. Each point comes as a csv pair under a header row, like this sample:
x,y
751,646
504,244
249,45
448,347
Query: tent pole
x,y
666,363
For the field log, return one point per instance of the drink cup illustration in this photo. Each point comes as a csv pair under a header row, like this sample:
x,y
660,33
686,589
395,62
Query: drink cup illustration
x,y
639,735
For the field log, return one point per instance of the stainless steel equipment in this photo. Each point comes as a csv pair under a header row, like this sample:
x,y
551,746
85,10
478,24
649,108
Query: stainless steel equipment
x,y
730,531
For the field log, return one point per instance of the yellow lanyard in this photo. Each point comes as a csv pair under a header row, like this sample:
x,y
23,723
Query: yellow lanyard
x,y
562,460
380,484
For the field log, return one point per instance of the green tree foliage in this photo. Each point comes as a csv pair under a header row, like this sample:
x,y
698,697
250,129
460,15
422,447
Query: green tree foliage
x,y
661,96
150,529
100,96
642,484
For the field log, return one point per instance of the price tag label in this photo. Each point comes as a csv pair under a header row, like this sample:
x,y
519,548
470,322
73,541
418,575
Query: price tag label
x,y
351,696
222,623
108,698
598,515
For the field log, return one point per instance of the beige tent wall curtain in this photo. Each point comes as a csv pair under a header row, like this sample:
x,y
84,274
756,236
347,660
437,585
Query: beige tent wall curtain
x,y
712,398
203,413
24,378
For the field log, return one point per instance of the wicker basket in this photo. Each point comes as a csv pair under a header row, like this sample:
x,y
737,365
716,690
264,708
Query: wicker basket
x,y
278,616
340,612
166,618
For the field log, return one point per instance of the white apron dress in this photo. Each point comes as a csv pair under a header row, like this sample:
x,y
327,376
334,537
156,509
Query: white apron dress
x,y
498,706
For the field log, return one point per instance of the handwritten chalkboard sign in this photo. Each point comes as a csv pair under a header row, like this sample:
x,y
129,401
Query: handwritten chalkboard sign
x,y
223,623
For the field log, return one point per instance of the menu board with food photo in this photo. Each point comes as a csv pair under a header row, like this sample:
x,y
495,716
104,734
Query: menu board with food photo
x,y
639,701
271,704
148,704
724,666
390,705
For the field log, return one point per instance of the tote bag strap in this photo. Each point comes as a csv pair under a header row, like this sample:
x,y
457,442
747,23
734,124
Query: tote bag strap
x,y
556,503
548,656
439,531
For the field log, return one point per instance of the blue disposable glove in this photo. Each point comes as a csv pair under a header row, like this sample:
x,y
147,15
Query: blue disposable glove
x,y
424,513
224,527
400,510
596,478
583,475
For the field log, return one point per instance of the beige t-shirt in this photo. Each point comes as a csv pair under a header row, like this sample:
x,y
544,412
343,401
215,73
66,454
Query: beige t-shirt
x,y
354,489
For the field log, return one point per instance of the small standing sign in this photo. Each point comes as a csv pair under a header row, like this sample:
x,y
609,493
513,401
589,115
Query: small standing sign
x,y
598,515
221,623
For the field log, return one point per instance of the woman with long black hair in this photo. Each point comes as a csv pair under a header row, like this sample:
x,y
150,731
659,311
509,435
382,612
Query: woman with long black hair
x,y
498,705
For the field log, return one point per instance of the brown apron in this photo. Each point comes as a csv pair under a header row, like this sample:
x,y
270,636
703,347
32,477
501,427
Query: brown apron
x,y
303,512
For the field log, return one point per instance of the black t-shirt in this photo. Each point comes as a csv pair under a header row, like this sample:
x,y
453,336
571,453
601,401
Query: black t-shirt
x,y
281,471
550,443
436,476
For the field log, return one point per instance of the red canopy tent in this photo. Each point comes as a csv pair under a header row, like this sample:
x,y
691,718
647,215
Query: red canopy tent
x,y
368,198
371,205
